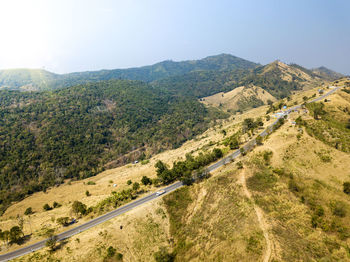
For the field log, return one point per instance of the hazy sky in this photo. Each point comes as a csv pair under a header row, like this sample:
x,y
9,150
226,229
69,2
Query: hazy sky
x,y
77,35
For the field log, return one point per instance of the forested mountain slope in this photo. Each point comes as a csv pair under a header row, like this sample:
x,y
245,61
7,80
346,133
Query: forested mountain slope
x,y
73,132
25,79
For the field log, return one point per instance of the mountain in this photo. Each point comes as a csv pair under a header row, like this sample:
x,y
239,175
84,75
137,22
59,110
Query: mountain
x,y
277,78
46,137
326,73
28,79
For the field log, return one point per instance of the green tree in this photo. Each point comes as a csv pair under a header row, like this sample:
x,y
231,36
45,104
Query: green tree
x,y
129,182
259,140
28,211
135,186
110,252
87,193
63,221
79,208
16,234
51,243
146,181
47,207
217,153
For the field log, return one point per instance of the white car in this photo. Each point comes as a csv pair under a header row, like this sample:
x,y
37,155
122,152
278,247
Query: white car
x,y
160,192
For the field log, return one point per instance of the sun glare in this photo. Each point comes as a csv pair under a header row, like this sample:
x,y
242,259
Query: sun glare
x,y
23,26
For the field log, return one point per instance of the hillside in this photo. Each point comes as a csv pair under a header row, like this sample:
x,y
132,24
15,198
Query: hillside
x,y
327,73
239,99
76,132
283,201
27,79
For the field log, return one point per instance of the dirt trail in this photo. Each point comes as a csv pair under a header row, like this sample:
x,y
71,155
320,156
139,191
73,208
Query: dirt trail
x,y
260,216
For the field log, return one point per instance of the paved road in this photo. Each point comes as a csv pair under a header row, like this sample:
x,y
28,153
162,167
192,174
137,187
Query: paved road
x,y
71,232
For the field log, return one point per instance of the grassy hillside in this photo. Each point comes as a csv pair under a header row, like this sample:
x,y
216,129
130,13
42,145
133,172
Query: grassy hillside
x,y
74,132
27,79
239,99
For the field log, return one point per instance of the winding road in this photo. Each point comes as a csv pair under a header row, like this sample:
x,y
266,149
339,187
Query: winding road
x,y
96,221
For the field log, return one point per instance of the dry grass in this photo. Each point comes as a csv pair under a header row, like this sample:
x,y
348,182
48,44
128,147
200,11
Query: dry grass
x,y
234,99
144,230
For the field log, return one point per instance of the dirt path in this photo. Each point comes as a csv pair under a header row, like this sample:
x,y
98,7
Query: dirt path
x,y
261,220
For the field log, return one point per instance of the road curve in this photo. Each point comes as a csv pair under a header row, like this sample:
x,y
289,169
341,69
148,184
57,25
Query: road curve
x,y
96,221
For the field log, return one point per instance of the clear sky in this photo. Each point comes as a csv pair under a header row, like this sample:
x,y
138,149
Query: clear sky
x,y
79,35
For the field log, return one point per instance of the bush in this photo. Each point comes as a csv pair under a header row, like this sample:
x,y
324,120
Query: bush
x,y
163,255
135,186
87,193
338,208
79,208
28,211
259,140
129,182
110,252
55,204
91,183
144,162
47,207
239,165
64,221
146,181
346,188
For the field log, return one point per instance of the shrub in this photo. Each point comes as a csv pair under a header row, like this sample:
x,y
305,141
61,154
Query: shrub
x,y
135,186
346,188
163,255
338,208
129,182
28,211
64,221
91,183
110,252
55,204
239,165
47,207
259,140
146,181
87,193
144,162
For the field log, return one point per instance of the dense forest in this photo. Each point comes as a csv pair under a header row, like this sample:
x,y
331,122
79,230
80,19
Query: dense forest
x,y
46,137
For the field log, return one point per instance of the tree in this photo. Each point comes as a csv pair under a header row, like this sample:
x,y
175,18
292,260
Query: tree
x,y
259,140
146,181
346,188
217,153
47,207
87,193
187,179
28,211
160,167
129,182
16,234
51,243
135,186
79,208
64,221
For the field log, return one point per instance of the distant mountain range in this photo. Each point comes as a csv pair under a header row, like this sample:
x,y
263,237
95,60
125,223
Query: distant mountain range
x,y
36,79
218,69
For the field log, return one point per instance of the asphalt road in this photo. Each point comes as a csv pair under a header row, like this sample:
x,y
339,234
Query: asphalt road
x,y
96,221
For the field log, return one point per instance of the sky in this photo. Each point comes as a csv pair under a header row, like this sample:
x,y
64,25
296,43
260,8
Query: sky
x,y
79,35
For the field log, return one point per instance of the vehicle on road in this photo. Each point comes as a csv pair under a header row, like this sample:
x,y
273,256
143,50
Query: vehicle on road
x,y
160,192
